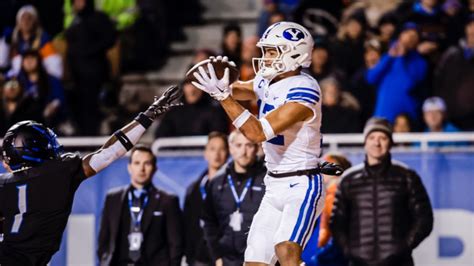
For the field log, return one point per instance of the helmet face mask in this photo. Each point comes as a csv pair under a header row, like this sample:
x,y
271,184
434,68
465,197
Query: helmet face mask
x,y
294,45
27,144
269,66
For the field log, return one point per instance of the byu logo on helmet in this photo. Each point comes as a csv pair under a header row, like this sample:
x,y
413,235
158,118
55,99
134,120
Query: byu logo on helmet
x,y
293,34
293,44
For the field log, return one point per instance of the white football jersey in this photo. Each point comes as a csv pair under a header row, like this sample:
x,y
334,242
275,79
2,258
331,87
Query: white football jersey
x,y
299,146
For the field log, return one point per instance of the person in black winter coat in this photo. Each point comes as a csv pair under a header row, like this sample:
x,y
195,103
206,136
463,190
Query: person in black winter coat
x,y
350,43
454,79
322,65
232,200
365,93
195,249
340,109
88,38
382,211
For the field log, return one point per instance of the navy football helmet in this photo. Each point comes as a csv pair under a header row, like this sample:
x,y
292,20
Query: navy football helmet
x,y
28,143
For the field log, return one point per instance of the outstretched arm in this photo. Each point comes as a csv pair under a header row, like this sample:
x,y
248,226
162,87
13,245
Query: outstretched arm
x,y
124,139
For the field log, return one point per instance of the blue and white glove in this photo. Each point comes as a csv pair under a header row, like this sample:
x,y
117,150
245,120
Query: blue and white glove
x,y
217,88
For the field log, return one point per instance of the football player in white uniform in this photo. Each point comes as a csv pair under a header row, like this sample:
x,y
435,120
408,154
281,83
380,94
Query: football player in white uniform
x,y
289,126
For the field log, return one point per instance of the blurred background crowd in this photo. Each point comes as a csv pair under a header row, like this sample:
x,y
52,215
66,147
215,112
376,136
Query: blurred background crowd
x,y
65,62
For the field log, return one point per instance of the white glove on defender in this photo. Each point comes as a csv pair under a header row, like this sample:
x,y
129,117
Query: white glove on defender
x,y
217,88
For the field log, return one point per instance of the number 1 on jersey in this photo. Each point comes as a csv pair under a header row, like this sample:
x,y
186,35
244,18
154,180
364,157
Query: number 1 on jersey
x,y
21,208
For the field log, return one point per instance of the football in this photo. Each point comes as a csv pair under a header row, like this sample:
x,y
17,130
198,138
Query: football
x,y
219,67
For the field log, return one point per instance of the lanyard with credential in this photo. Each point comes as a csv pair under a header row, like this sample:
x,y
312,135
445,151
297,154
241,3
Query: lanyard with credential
x,y
136,220
202,187
238,200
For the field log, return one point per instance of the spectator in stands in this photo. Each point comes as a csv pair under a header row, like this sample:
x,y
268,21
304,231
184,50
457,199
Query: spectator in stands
x,y
275,6
232,200
456,14
323,64
402,124
434,116
232,43
201,55
215,153
340,108
359,87
373,9
350,43
123,13
470,6
398,76
16,106
275,17
199,115
28,35
382,204
328,252
89,37
140,224
454,79
387,29
45,88
249,51
429,17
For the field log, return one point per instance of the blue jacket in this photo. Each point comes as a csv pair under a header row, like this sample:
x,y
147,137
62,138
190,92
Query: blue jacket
x,y
397,79
449,128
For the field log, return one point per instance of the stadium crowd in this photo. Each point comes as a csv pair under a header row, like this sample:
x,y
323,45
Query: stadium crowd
x,y
371,58
66,57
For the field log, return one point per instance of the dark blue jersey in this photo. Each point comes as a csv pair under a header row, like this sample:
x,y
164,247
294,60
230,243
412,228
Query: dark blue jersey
x,y
36,204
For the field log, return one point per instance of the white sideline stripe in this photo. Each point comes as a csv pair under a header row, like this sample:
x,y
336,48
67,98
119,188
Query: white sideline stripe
x,y
81,240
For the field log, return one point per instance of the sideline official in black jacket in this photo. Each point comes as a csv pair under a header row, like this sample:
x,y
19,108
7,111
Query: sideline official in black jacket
x,y
382,211
215,153
140,225
227,218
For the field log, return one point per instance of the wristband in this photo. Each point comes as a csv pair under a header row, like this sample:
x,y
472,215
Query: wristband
x,y
144,120
267,129
241,119
126,143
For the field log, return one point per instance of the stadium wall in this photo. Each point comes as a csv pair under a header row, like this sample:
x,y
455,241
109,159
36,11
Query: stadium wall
x,y
448,177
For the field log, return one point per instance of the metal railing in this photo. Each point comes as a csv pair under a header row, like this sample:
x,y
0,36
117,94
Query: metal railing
x,y
193,144
337,141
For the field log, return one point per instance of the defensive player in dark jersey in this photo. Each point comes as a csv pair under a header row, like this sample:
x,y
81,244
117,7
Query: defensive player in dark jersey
x,y
36,195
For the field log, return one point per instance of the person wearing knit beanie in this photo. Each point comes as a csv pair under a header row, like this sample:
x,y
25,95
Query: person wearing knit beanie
x,y
377,140
378,124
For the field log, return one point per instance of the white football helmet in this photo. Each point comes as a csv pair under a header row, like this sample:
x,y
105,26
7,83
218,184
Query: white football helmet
x,y
294,45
